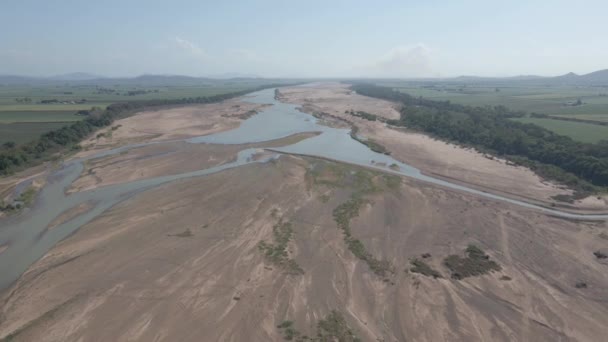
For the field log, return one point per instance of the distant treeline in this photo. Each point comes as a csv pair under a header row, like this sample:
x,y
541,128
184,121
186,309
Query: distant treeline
x,y
577,164
14,158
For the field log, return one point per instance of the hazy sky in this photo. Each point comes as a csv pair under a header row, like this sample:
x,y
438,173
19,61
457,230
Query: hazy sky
x,y
303,38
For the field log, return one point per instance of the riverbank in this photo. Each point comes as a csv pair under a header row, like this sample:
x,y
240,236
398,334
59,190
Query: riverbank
x,y
434,157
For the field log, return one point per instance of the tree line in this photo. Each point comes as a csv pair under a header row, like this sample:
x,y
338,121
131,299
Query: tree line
x,y
583,166
14,158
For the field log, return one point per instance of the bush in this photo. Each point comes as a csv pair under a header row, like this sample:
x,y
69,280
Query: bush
x,y
419,266
476,263
600,255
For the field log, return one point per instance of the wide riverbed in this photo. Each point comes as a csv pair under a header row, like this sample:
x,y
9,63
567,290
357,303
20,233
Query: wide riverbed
x,y
28,237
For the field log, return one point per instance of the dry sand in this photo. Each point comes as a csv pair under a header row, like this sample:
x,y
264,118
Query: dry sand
x,y
128,275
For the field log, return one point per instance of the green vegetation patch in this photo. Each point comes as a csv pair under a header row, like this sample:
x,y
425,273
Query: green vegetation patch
x,y
371,144
276,252
335,328
27,197
419,266
343,214
332,328
186,233
362,182
364,115
476,263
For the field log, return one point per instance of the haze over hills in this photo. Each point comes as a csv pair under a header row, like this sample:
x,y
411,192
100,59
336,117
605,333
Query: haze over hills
x,y
596,78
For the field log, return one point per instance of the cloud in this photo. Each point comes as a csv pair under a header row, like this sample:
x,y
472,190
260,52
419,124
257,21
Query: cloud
x,y
190,47
402,61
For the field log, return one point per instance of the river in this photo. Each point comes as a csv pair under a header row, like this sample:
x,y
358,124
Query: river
x,y
27,237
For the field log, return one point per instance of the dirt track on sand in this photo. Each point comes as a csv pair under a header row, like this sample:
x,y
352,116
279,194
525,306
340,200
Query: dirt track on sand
x,y
433,157
182,262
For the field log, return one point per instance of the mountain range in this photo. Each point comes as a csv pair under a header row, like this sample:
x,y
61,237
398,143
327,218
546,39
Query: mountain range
x,y
596,78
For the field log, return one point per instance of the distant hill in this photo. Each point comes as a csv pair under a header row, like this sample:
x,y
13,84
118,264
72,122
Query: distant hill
x,y
79,78
596,78
599,77
75,76
14,79
229,75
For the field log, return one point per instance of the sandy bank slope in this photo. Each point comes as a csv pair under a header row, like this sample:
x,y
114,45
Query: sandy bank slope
x,y
431,156
183,263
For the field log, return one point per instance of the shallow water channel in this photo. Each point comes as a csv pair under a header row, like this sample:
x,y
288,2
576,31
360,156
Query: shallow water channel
x,y
27,237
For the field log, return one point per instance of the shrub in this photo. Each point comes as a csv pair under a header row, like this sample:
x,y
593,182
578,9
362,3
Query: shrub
x,y
476,263
600,255
419,266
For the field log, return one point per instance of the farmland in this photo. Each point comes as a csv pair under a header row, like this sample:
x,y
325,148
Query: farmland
x,y
548,100
580,131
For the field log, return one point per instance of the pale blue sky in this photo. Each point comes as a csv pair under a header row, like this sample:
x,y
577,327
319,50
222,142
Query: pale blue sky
x,y
303,38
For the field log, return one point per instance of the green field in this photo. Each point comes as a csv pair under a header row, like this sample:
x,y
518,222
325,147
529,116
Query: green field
x,y
23,132
576,130
38,116
590,117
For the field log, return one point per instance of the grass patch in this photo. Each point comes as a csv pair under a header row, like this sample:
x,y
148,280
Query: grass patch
x,y
290,333
343,214
276,252
27,197
332,328
186,233
371,144
362,182
419,266
476,263
335,328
